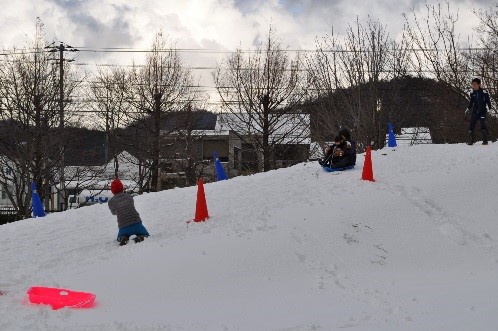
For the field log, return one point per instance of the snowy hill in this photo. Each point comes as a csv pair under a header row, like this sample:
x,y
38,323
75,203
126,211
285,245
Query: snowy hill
x,y
292,249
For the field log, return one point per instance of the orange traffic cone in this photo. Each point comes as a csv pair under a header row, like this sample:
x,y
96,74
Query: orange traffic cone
x,y
201,211
367,166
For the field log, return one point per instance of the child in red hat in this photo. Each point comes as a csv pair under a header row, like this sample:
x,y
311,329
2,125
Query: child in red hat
x,y
129,222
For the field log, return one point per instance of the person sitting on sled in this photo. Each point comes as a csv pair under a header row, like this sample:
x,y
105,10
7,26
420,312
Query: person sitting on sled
x,y
345,154
129,222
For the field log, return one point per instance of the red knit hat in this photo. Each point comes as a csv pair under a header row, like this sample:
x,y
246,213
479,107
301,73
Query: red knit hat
x,y
116,186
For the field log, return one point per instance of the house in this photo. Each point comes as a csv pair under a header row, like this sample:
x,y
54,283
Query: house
x,y
90,165
233,138
98,176
189,144
92,183
290,137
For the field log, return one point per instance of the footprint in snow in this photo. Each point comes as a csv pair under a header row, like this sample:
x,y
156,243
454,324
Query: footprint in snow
x,y
454,233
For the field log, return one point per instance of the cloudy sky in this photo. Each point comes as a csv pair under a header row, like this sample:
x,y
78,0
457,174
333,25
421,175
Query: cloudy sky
x,y
205,27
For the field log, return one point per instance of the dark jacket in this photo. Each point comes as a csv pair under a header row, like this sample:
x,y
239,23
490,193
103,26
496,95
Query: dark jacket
x,y
478,101
351,154
344,148
348,157
123,206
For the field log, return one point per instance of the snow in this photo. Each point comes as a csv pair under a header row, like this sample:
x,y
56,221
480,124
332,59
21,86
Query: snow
x,y
291,249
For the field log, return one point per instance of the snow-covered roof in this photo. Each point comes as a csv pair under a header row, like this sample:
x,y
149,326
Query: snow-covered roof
x,y
215,132
99,177
290,128
100,184
128,165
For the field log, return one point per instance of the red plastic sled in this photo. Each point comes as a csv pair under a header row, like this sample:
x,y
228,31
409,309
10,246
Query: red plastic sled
x,y
59,297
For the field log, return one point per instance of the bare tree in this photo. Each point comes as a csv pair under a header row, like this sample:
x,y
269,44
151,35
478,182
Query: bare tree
x,y
486,59
438,53
325,81
138,140
30,115
347,75
256,88
110,90
186,137
161,86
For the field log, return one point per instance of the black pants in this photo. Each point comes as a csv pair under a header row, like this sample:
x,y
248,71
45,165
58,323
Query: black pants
x,y
473,121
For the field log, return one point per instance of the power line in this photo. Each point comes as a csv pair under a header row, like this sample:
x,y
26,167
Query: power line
x,y
212,51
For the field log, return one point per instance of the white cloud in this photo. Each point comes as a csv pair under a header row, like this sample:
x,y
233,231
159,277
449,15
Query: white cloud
x,y
209,25
224,24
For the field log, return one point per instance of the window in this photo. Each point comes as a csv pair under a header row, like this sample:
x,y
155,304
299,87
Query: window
x,y
249,157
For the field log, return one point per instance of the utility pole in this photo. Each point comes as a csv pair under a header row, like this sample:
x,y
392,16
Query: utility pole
x,y
61,49
156,176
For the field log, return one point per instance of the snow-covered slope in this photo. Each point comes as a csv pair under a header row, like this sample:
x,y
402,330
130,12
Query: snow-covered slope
x,y
292,249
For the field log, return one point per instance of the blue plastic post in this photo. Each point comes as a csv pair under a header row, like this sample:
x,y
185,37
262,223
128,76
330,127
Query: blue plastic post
x,y
220,172
35,200
392,139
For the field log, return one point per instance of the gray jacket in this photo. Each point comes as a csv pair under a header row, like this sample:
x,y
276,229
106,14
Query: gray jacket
x,y
123,206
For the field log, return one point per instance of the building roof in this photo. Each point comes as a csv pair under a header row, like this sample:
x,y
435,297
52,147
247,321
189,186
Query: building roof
x,y
181,120
290,128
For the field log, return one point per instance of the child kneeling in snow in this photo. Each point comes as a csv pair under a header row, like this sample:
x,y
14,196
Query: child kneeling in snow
x,y
129,222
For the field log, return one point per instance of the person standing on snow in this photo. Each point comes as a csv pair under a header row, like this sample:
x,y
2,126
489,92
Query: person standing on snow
x,y
129,222
479,98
